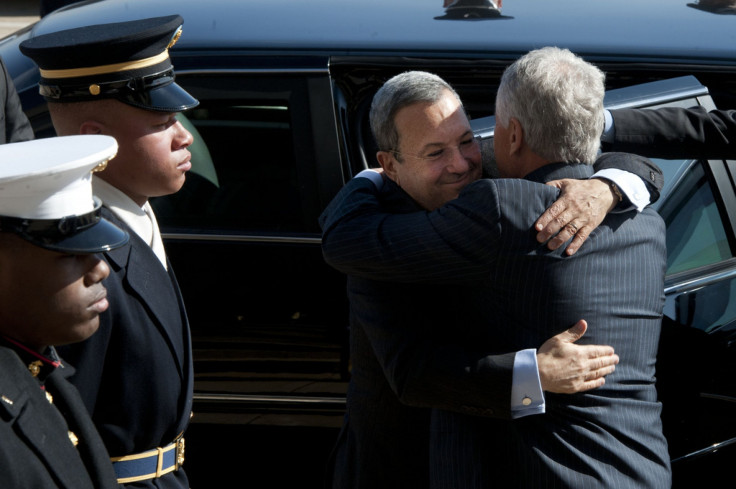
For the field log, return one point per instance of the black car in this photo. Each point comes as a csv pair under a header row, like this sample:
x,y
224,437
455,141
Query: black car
x,y
285,87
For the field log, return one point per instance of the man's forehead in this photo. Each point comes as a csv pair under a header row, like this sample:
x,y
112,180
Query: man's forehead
x,y
433,123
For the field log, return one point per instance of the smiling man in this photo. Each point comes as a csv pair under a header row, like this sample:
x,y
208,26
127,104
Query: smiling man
x,y
444,163
508,292
135,375
422,344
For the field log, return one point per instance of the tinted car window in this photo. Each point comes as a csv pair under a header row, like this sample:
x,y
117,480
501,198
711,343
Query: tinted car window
x,y
695,233
244,164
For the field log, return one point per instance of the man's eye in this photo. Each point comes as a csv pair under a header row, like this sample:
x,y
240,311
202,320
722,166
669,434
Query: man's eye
x,y
167,123
467,142
435,154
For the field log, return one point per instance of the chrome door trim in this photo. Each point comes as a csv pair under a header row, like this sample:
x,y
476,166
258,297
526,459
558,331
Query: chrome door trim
x,y
243,238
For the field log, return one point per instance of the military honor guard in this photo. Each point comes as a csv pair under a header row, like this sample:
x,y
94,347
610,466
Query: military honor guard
x,y
135,375
51,293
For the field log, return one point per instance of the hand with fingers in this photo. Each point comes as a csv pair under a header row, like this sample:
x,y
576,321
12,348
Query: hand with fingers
x,y
566,368
582,206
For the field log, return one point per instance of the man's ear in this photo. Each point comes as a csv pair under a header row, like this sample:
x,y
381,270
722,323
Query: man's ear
x,y
388,163
91,127
516,136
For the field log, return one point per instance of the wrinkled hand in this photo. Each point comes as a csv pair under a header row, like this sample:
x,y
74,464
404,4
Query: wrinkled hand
x,y
582,206
567,368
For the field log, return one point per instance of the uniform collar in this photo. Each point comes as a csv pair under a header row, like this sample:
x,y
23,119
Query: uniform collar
x,y
141,220
39,366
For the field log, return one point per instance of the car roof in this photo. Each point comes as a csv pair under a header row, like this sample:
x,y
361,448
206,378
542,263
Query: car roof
x,y
631,30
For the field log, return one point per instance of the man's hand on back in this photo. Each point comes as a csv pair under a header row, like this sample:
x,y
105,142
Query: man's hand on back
x,y
566,368
582,206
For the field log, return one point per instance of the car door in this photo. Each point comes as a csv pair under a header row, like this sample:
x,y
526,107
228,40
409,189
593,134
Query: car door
x,y
697,354
267,315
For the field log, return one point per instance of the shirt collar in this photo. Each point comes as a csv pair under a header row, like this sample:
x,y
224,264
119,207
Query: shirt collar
x,y
123,206
556,171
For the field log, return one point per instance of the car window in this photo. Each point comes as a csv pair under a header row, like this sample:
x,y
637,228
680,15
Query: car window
x,y
696,236
244,173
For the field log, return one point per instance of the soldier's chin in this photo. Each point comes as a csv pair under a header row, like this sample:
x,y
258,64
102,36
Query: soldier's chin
x,y
81,331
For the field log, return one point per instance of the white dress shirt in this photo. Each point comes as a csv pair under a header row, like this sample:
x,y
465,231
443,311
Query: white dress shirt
x,y
140,219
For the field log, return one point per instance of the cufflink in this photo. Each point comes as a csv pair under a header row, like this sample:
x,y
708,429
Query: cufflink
x,y
526,401
615,190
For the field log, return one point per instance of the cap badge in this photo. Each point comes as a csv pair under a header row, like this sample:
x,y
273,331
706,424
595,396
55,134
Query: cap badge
x,y
101,166
174,38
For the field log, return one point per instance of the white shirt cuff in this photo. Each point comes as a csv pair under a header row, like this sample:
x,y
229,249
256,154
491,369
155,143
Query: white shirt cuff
x,y
373,176
629,184
608,130
527,397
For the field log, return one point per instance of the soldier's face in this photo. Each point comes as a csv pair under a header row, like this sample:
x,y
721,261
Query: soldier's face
x,y
439,155
49,298
152,158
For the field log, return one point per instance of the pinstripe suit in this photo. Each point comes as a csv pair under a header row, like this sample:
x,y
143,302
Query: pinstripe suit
x,y
384,442
675,133
610,437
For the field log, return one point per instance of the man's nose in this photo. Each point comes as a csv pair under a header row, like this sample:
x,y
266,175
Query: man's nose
x,y
459,163
184,138
98,271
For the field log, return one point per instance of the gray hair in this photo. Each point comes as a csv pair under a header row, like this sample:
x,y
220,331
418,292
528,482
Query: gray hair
x,y
558,99
402,90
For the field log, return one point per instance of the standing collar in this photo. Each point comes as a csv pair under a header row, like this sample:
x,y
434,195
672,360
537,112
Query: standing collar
x,y
556,171
39,366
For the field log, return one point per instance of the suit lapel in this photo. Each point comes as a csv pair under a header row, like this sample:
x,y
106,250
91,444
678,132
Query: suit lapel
x,y
152,285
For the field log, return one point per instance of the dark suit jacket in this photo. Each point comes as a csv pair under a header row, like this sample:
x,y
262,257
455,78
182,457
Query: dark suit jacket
x,y
14,125
610,437
675,132
135,374
35,451
384,441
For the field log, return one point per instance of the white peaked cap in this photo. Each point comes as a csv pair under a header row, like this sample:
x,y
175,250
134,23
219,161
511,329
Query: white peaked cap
x,y
51,178
46,193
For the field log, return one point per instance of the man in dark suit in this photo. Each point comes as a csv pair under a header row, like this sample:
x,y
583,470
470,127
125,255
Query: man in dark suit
x,y
672,132
385,438
384,441
135,375
14,125
607,437
51,293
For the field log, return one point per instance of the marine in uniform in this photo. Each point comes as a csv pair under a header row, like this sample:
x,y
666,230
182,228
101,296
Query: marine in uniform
x,y
135,375
51,292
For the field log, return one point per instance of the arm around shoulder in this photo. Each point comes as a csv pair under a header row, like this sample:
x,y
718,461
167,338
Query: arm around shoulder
x,y
453,244
675,133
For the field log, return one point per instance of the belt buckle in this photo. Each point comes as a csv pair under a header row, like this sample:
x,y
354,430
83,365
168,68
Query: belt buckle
x,y
179,452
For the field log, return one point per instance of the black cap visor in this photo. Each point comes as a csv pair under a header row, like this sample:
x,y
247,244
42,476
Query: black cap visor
x,y
89,233
157,92
165,98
